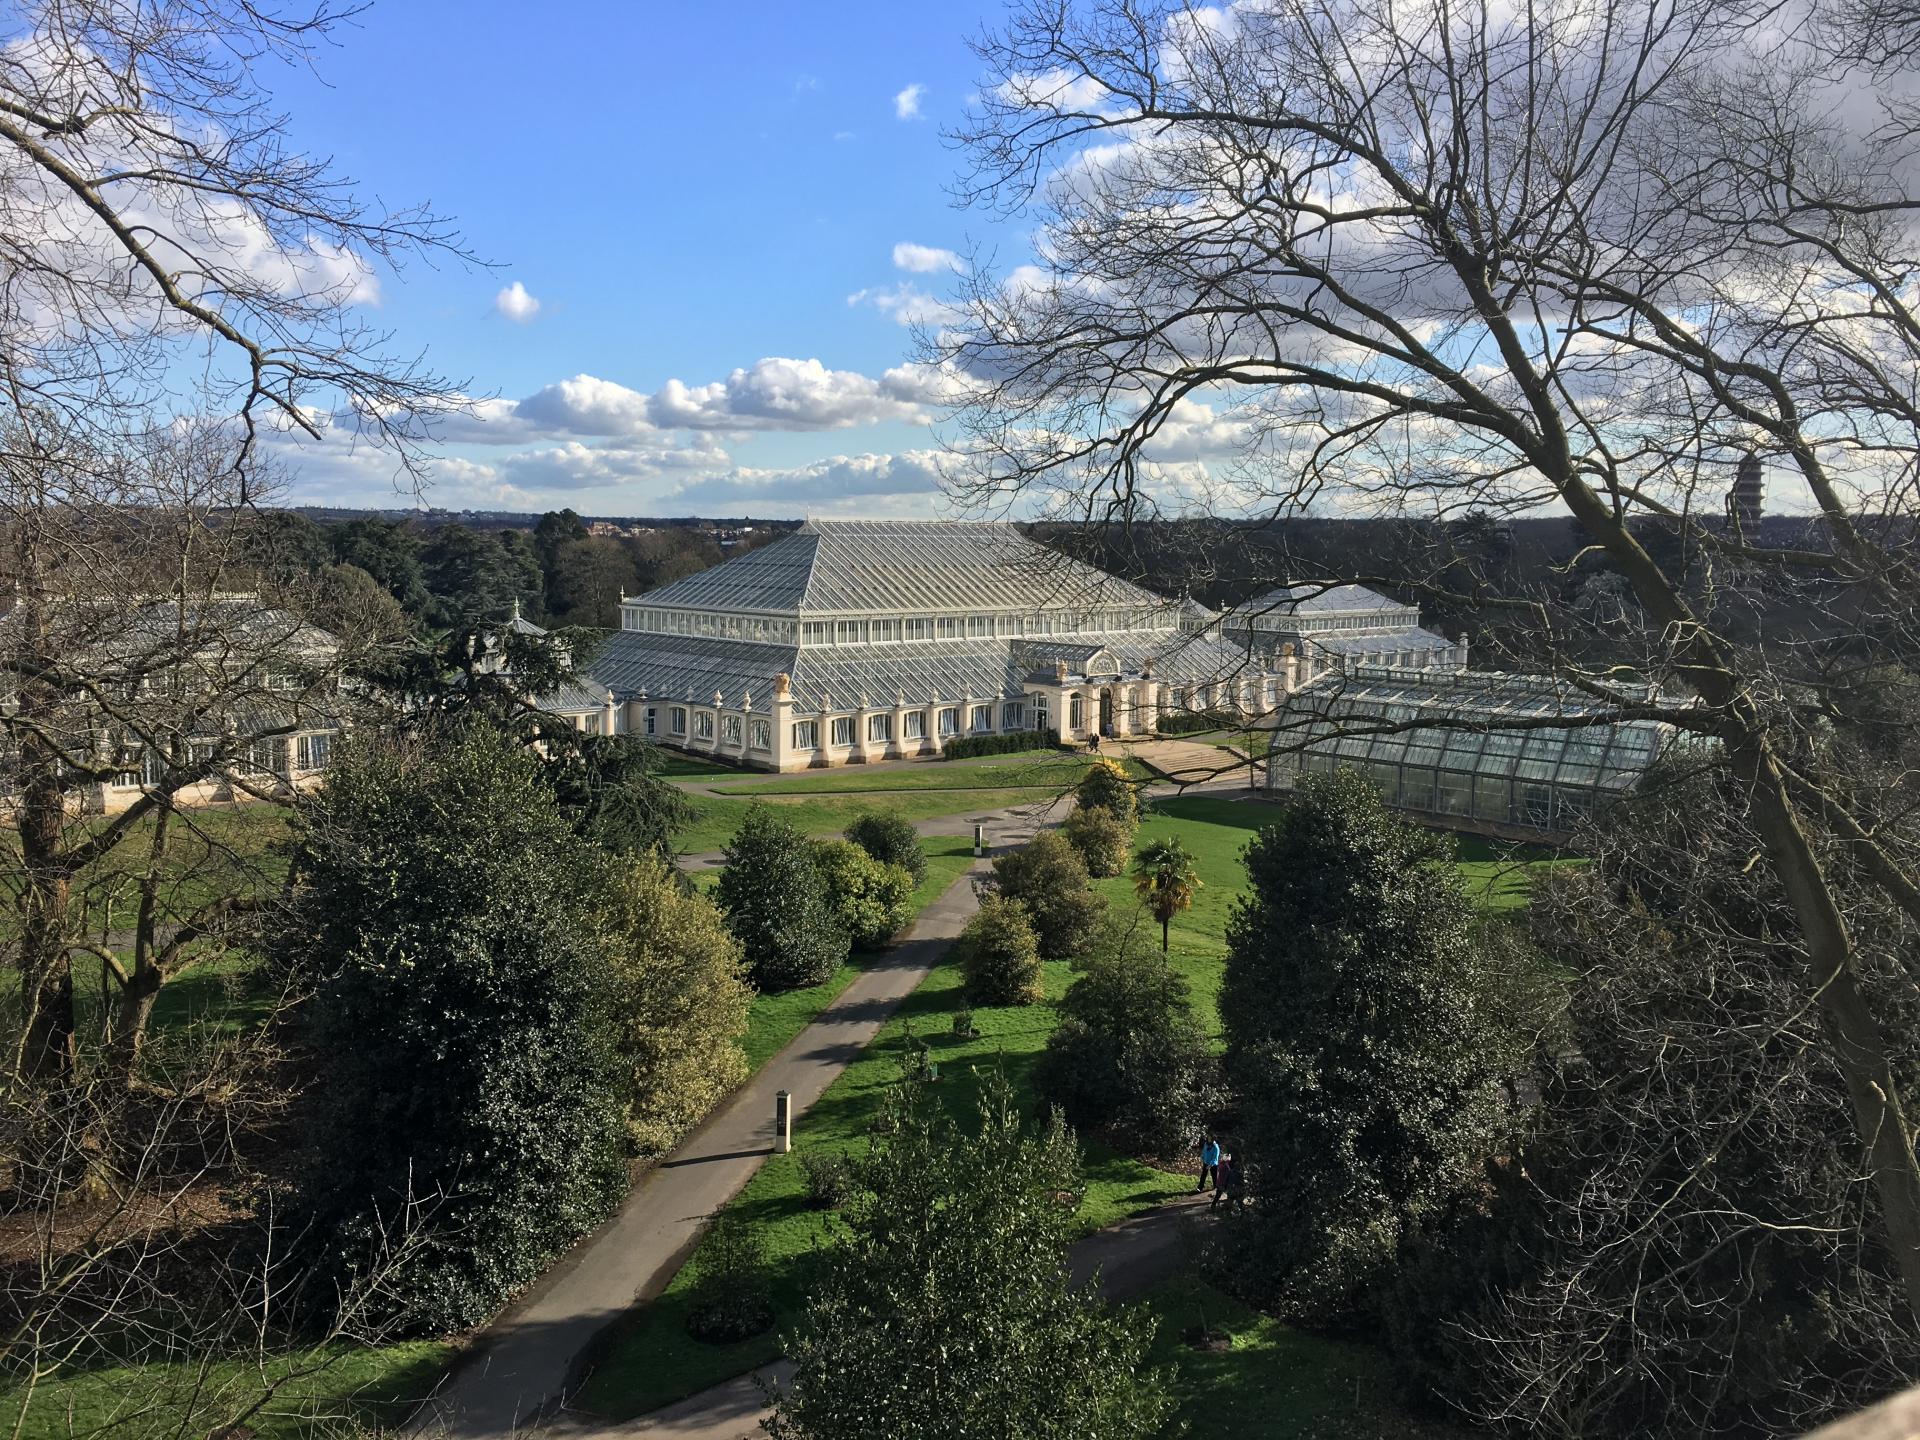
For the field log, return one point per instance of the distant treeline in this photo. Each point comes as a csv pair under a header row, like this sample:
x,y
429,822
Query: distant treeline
x,y
443,573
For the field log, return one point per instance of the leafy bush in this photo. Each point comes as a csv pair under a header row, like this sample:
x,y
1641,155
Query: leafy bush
x,y
1362,1054
1049,879
968,747
1103,839
890,840
445,912
1105,786
830,1182
999,955
731,1300
678,994
1128,1055
963,1023
1192,722
777,905
871,900
969,1212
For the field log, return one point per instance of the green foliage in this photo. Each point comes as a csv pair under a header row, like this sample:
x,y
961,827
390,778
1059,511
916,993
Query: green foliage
x,y
872,901
608,786
389,552
948,1314
443,915
1103,838
963,1023
474,576
999,955
1105,786
890,839
830,1182
1049,880
730,1298
1194,722
1360,1052
969,747
1166,880
777,904
678,996
1128,1056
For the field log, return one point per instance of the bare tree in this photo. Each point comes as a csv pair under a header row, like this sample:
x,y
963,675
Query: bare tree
x,y
158,220
1445,258
144,676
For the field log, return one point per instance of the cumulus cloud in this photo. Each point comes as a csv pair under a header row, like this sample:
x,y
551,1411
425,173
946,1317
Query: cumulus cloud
x,y
906,105
785,394
923,259
824,484
516,303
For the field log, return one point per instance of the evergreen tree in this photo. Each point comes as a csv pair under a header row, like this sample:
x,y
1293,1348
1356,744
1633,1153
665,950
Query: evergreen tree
x,y
949,1313
444,916
777,905
1359,1048
1049,879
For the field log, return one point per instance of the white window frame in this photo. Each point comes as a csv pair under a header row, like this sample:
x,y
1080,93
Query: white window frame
x,y
760,734
949,722
806,734
980,721
913,725
880,727
843,729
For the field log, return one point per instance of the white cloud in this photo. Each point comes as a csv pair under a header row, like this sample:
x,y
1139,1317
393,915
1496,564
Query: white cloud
x,y
906,105
784,394
923,259
586,405
835,482
516,303
907,304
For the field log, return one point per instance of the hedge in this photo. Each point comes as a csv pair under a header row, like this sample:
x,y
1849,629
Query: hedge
x,y
966,747
1191,722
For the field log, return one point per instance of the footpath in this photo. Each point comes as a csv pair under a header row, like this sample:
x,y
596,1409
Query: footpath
x,y
521,1367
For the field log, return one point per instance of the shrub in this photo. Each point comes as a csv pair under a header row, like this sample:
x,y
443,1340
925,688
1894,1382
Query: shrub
x,y
890,840
1105,786
830,1181
1103,839
1360,1047
968,747
967,1212
1128,1055
1049,879
1192,722
731,1299
870,900
999,955
777,905
963,1023
679,999
445,910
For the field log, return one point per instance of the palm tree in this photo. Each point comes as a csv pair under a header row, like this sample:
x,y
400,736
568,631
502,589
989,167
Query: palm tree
x,y
1164,877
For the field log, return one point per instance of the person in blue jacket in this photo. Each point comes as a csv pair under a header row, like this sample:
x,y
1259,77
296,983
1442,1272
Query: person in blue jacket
x,y
1209,1162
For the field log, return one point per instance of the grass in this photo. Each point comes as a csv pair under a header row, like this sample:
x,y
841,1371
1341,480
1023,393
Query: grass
x,y
1050,770
719,816
1275,1383
678,765
367,1387
213,851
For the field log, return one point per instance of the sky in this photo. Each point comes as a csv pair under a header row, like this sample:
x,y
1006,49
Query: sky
x,y
708,229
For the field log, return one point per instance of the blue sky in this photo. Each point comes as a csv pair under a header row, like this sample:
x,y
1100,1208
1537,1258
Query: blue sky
x,y
684,192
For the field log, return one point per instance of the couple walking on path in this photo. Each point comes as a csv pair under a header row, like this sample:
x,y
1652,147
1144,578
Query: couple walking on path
x,y
1223,1170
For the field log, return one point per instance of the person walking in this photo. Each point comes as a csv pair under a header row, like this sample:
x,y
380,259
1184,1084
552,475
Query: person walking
x,y
1223,1177
1209,1161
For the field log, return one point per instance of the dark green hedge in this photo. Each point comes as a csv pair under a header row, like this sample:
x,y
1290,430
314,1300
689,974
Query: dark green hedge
x,y
966,747
1191,722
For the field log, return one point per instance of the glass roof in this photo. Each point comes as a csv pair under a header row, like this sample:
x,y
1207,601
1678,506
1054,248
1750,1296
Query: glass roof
x,y
904,567
1332,715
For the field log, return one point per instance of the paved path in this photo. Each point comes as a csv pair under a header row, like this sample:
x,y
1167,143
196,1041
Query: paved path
x,y
524,1362
1131,1257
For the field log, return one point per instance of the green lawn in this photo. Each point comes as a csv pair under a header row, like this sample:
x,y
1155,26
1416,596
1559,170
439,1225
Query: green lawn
x,y
1050,770
320,1394
719,816
1275,1383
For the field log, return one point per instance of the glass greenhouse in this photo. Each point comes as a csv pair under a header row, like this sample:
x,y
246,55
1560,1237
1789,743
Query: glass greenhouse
x,y
1537,781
